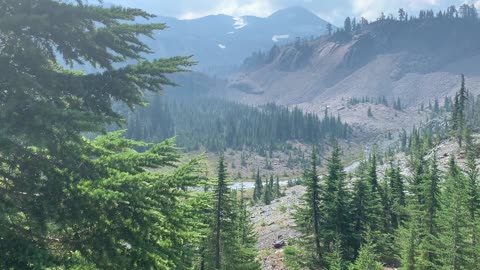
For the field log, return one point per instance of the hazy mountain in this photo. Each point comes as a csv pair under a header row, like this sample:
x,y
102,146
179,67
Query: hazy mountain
x,y
220,42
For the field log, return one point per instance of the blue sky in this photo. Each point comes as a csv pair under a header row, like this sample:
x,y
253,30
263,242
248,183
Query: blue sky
x,y
331,10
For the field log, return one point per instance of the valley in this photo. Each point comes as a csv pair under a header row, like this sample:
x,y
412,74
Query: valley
x,y
277,140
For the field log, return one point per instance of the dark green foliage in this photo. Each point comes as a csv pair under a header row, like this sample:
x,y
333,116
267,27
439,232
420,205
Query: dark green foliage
x,y
67,202
366,259
366,207
230,239
458,114
454,249
336,217
258,189
218,124
268,194
277,190
308,218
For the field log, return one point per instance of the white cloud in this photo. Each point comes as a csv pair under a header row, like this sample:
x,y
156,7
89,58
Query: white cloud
x,y
221,46
261,8
334,11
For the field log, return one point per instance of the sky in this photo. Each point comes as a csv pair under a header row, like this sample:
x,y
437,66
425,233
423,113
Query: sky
x,y
334,11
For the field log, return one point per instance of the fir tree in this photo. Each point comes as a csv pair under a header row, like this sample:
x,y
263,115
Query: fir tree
x,y
278,190
268,196
334,207
366,208
366,259
454,248
258,189
66,195
308,217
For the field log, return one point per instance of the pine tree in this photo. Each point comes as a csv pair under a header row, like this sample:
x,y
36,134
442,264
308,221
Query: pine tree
x,y
429,213
221,212
473,197
348,25
396,194
308,217
334,208
454,247
458,113
60,202
232,237
242,251
268,196
366,208
258,189
366,259
278,190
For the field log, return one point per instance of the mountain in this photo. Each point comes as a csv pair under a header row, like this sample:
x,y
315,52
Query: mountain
x,y
418,61
220,43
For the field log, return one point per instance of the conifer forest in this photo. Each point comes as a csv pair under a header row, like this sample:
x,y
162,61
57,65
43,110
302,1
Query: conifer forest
x,y
239,135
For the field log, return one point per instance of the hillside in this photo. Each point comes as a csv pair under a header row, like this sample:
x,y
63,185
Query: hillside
x,y
418,61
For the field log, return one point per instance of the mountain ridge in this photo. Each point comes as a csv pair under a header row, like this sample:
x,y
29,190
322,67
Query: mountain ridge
x,y
398,55
221,42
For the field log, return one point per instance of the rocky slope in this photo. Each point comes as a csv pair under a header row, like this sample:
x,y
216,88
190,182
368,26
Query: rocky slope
x,y
417,61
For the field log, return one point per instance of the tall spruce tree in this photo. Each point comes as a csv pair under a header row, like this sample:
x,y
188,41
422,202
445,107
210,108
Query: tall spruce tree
x,y
429,216
366,208
454,240
308,218
473,196
334,208
268,195
258,188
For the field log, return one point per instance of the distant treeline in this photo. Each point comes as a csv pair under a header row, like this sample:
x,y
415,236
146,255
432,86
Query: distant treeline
x,y
217,124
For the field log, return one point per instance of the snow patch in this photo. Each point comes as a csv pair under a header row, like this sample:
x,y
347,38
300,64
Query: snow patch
x,y
276,38
239,22
221,46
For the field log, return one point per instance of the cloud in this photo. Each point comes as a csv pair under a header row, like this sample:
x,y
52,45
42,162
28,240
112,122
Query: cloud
x,y
334,11
234,8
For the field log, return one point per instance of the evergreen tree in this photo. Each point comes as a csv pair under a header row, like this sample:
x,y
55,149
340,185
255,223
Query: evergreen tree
x,y
366,208
222,202
278,190
473,197
232,237
243,253
429,214
458,113
61,195
396,195
366,259
454,248
268,196
329,29
308,217
334,208
347,26
258,189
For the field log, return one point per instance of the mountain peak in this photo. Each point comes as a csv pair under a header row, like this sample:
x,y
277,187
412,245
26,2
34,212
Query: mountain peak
x,y
294,12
